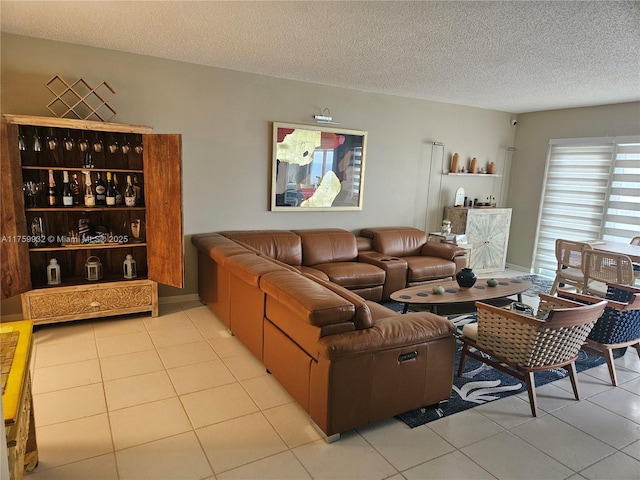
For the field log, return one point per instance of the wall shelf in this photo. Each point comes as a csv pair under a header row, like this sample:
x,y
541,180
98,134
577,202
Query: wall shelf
x,y
494,175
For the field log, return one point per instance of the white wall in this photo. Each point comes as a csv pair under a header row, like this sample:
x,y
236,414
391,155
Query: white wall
x,y
225,120
534,131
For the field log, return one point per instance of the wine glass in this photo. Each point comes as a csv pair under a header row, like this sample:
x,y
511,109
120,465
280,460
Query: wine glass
x,y
52,141
97,144
37,144
138,148
21,143
68,142
113,145
126,146
33,190
83,145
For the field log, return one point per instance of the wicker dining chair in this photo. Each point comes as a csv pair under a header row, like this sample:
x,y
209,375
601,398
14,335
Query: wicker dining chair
x,y
619,325
636,265
569,271
520,345
601,268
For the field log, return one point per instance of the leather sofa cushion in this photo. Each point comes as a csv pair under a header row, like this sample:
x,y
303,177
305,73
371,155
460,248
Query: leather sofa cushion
x,y
327,245
217,246
282,245
396,241
390,332
307,299
250,267
428,268
313,271
353,274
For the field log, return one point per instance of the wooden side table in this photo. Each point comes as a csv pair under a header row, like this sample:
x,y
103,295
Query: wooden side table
x,y
15,355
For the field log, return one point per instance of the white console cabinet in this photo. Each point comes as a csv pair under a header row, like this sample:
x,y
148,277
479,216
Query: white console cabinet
x,y
487,231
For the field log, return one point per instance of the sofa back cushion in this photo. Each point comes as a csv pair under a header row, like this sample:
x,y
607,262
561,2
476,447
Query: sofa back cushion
x,y
327,246
281,245
396,241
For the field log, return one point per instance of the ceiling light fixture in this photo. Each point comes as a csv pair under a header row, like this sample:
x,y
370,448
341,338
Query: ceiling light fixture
x,y
325,118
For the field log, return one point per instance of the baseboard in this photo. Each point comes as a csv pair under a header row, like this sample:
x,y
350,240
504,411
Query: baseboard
x,y
519,268
192,297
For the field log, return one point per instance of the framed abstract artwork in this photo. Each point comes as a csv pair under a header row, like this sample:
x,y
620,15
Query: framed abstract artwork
x,y
316,168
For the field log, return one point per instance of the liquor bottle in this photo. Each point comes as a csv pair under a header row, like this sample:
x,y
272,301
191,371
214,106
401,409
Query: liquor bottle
x,y
129,194
75,189
53,191
88,160
101,190
67,195
117,190
137,189
89,195
111,191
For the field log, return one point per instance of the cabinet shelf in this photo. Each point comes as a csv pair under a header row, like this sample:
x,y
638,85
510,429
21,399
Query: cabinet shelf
x,y
60,169
87,246
84,209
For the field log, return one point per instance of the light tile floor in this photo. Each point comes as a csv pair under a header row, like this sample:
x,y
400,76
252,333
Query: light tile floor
x,y
177,397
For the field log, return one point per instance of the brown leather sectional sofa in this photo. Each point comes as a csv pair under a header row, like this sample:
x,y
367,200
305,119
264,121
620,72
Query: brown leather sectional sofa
x,y
304,303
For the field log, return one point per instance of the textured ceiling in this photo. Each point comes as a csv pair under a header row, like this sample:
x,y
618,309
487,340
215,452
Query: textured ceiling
x,y
514,56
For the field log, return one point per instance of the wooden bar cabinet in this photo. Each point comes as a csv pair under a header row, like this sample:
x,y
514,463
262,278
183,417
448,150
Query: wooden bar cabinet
x,y
34,232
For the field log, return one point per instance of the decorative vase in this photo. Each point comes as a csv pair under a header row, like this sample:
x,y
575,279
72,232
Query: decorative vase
x,y
466,278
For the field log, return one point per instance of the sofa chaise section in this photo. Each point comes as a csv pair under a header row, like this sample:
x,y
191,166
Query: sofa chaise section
x,y
348,364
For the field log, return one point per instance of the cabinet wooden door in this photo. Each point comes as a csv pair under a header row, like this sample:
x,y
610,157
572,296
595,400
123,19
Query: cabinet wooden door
x,y
14,250
163,196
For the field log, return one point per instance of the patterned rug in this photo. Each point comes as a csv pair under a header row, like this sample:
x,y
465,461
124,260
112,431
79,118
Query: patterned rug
x,y
481,383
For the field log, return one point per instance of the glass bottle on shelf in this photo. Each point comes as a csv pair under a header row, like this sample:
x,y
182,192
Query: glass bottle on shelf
x,y
53,191
137,189
129,194
67,195
101,190
111,191
116,188
88,160
75,190
89,195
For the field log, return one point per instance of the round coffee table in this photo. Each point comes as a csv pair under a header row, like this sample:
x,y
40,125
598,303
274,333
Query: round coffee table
x,y
423,294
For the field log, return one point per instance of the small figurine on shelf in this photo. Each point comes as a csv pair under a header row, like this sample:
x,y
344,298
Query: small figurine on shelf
x,y
492,168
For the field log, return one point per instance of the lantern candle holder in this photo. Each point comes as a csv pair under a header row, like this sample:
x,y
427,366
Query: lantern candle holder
x,y
93,269
129,267
53,273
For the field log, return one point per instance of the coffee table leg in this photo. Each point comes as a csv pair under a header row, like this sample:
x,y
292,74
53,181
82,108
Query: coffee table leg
x,y
406,307
520,297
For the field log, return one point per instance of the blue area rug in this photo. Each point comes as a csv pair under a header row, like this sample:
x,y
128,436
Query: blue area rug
x,y
481,383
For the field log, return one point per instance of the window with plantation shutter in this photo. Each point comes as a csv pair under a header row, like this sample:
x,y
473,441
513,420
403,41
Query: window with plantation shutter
x,y
591,191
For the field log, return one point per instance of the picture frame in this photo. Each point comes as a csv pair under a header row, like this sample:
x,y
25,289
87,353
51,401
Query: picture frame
x,y
317,168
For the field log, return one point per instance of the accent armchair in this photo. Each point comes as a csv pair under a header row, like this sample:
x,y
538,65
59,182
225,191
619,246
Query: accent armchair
x,y
521,345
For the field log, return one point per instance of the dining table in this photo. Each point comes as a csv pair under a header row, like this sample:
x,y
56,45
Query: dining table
x,y
632,251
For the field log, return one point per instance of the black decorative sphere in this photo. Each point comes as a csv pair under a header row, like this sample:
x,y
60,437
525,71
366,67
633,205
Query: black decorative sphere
x,y
466,278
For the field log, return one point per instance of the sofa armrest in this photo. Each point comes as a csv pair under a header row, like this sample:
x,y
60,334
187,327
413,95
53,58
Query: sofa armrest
x,y
387,333
448,251
395,271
